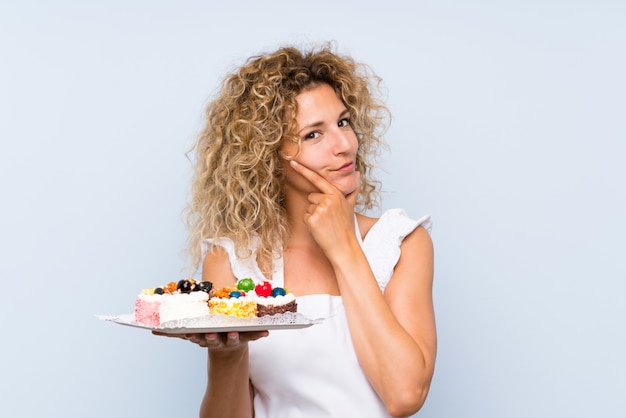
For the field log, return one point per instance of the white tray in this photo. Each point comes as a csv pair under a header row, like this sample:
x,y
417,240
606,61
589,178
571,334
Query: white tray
x,y
219,323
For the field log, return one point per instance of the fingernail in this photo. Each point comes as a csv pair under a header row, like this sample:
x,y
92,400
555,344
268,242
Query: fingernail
x,y
293,163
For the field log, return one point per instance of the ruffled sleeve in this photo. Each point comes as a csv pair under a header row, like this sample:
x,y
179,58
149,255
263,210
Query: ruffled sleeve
x,y
242,267
382,242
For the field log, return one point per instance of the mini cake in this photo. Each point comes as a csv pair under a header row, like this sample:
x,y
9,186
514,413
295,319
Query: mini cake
x,y
230,301
273,300
185,299
248,300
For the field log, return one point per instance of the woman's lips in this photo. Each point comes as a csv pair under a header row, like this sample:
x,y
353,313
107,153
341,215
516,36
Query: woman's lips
x,y
346,167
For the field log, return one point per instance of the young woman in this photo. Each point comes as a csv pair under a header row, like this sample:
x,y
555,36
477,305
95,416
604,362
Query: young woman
x,y
282,179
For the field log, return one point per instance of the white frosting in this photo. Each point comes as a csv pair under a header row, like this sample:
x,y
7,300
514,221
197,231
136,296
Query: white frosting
x,y
183,305
270,300
150,298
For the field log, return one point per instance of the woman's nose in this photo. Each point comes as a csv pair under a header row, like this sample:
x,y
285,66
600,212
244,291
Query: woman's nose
x,y
342,141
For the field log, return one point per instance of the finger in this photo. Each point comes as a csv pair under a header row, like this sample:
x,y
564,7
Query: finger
x,y
232,339
213,340
316,198
254,335
198,339
318,181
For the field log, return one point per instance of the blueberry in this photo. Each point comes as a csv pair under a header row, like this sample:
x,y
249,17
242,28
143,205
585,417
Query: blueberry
x,y
204,286
158,291
278,291
184,286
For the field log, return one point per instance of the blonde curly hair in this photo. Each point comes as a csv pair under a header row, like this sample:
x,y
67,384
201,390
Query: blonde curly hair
x,y
237,189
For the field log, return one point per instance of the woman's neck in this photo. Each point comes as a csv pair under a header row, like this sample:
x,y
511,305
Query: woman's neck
x,y
296,205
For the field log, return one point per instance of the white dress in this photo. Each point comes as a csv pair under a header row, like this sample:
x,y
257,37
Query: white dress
x,y
314,372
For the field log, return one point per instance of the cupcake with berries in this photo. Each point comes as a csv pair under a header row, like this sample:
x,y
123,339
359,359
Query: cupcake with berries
x,y
269,300
232,301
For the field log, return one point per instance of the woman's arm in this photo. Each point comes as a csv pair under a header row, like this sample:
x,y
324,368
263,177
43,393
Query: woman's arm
x,y
228,392
393,333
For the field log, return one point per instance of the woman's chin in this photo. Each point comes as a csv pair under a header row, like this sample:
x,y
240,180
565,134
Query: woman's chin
x,y
346,188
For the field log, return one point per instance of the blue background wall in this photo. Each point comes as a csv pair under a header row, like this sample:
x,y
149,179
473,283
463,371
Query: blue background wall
x,y
509,129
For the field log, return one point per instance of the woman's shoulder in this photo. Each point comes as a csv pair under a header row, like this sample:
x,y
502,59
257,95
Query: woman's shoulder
x,y
223,253
385,237
217,269
396,218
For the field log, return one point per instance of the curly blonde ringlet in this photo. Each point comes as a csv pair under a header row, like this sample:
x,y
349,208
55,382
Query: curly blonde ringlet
x,y
237,189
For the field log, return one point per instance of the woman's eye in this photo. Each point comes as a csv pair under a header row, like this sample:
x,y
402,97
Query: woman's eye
x,y
312,135
344,122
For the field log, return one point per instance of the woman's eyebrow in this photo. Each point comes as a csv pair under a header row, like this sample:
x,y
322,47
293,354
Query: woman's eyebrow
x,y
311,125
317,124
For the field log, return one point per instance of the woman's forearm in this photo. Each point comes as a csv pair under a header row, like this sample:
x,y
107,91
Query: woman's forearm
x,y
398,325
228,388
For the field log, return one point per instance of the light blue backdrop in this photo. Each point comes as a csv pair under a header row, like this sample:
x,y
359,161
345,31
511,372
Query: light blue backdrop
x,y
509,129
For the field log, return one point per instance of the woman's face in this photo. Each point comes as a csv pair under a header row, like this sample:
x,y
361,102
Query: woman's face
x,y
328,143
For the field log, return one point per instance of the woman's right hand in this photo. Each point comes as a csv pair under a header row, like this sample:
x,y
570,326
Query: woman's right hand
x,y
220,342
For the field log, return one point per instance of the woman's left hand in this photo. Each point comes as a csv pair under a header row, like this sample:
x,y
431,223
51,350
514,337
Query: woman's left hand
x,y
330,215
